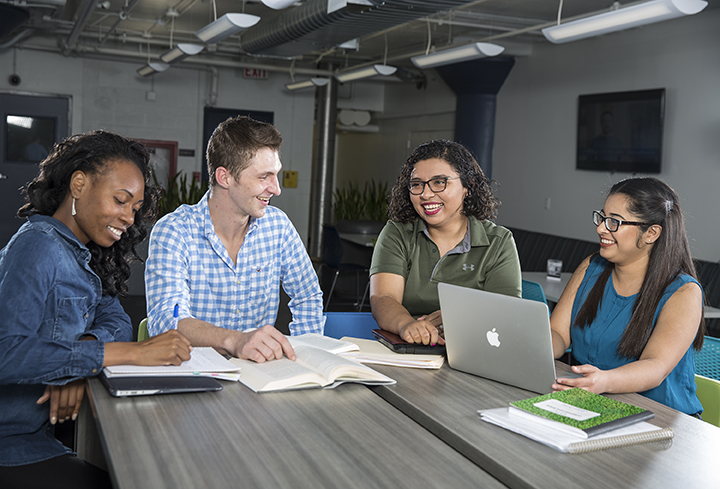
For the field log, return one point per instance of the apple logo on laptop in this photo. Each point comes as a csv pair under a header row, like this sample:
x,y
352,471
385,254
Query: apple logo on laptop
x,y
493,338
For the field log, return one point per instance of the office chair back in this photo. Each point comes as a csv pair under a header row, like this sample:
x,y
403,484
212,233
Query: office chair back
x,y
143,331
708,391
533,291
707,360
355,324
333,249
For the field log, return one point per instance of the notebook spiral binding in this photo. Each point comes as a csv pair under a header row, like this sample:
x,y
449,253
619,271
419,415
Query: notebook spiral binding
x,y
664,436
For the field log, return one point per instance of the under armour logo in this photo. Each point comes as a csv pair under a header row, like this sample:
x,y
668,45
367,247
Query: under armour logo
x,y
467,267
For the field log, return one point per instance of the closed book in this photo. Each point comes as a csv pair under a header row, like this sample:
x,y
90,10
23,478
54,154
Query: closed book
x,y
580,412
563,441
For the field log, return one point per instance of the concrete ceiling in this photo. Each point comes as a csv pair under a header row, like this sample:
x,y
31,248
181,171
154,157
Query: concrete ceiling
x,y
301,35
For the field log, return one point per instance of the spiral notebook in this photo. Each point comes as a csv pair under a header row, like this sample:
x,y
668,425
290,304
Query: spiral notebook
x,y
635,434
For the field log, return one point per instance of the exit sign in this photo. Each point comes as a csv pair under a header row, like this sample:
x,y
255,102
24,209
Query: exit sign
x,y
256,73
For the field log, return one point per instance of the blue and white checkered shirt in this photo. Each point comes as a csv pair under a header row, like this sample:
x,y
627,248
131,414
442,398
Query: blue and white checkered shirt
x,y
188,265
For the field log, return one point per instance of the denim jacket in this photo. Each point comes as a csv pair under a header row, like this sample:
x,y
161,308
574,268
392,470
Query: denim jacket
x,y
49,299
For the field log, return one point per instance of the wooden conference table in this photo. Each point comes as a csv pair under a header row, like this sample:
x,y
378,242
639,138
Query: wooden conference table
x,y
422,432
343,438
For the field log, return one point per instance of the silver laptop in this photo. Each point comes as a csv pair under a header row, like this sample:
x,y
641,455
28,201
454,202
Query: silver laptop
x,y
498,337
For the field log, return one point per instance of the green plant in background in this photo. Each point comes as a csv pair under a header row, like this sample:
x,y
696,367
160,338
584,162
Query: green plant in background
x,y
178,192
376,200
350,203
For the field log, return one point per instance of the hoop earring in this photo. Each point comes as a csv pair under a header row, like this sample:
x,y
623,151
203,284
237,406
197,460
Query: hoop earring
x,y
72,211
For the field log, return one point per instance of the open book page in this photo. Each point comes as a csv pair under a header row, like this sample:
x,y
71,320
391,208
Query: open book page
x,y
567,442
322,342
312,368
373,352
203,360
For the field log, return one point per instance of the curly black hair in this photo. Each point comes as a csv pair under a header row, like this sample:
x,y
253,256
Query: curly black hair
x,y
90,153
480,202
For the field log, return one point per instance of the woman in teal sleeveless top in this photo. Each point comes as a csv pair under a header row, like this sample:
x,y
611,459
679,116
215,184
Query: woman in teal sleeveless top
x,y
634,311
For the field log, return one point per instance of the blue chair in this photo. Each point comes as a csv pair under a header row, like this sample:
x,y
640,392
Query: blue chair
x,y
707,360
533,291
355,324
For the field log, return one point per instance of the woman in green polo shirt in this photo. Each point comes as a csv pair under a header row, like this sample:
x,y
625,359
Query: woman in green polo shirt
x,y
439,231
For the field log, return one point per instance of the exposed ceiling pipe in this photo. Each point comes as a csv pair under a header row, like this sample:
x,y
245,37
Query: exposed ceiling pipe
x,y
310,27
121,16
195,62
84,12
17,38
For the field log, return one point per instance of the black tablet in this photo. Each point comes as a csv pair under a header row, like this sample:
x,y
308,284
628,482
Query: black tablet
x,y
396,344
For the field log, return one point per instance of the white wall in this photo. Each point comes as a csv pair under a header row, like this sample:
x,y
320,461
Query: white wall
x,y
536,121
110,95
410,116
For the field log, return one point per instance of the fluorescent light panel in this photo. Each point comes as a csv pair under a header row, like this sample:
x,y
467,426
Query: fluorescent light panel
x,y
180,52
621,19
152,67
226,26
279,4
458,55
312,82
367,72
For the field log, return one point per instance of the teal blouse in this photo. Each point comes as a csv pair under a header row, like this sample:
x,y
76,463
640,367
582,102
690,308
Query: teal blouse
x,y
597,343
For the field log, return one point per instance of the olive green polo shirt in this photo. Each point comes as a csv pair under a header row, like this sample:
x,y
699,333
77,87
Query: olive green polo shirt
x,y
485,259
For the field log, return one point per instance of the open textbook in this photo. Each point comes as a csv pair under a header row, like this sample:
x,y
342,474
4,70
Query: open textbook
x,y
313,367
204,361
372,351
323,342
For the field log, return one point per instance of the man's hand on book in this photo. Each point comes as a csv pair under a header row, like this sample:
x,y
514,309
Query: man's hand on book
x,y
65,400
264,344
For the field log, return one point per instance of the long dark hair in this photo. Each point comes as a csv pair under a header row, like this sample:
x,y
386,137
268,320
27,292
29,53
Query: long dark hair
x,y
653,202
90,153
480,202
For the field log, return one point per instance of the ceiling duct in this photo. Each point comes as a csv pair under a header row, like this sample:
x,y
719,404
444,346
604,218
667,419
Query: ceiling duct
x,y
310,27
10,18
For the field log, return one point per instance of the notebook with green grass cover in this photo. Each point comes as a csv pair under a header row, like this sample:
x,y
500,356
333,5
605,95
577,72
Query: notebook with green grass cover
x,y
580,412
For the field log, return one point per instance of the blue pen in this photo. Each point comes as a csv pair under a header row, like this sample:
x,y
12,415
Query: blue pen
x,y
176,313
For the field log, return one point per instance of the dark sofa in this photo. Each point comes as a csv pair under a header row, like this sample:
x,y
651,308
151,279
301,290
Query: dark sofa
x,y
536,248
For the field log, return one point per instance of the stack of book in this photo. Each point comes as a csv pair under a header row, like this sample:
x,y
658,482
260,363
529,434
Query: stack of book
x,y
578,421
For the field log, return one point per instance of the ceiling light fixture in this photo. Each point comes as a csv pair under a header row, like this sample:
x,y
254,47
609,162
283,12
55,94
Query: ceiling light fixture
x,y
180,52
312,82
152,67
226,26
458,54
279,4
621,19
366,72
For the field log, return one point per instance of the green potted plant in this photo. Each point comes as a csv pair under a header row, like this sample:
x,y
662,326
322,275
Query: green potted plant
x,y
178,192
361,211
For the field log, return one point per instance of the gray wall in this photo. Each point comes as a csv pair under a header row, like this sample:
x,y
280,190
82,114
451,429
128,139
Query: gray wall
x,y
110,95
536,126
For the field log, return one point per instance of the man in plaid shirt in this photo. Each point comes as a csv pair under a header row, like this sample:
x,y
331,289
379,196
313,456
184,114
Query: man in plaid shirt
x,y
223,259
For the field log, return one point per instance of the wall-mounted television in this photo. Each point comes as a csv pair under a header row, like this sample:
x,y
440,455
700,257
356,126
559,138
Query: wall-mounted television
x,y
621,131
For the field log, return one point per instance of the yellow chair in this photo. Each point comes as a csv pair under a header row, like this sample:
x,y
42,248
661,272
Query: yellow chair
x,y
143,331
708,391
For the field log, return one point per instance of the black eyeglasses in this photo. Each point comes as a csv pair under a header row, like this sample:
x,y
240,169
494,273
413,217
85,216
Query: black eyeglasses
x,y
612,224
437,185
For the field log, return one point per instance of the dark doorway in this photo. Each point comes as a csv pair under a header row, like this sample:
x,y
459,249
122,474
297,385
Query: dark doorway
x,y
31,125
213,117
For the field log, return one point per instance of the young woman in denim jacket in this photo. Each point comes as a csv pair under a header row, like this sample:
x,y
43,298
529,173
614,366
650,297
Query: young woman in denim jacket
x,y
60,318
